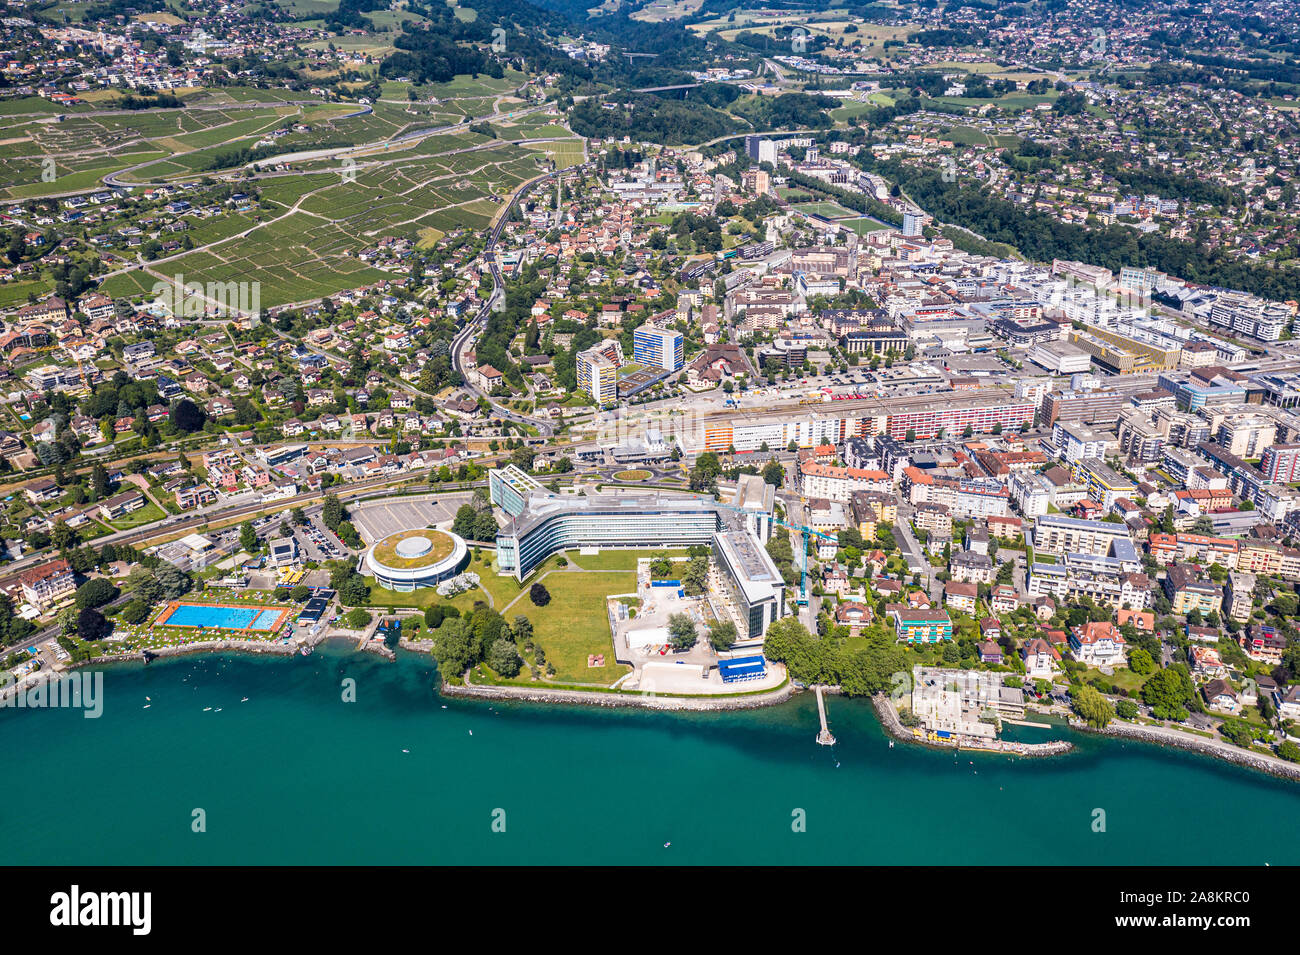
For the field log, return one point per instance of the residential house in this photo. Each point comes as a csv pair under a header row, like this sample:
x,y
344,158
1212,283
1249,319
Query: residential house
x,y
1219,695
1098,644
961,596
46,585
919,626
1040,658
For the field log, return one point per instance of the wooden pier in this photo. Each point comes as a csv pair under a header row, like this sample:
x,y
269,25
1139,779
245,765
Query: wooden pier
x,y
824,736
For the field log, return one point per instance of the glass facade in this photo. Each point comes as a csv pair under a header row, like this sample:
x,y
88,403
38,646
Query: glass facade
x,y
751,580
593,524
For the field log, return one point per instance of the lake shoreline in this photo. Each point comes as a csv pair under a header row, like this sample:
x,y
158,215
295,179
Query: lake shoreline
x,y
699,704
1272,766
893,726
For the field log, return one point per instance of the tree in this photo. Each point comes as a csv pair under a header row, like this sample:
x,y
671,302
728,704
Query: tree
x,y
1092,707
1126,709
539,595
522,458
348,535
454,647
523,629
332,513
95,593
695,579
91,625
1168,693
135,611
300,593
142,582
773,473
485,526
722,635
681,631
99,481
172,581
466,523
187,416
62,536
1140,662
704,474
358,618
248,537
1238,733
504,658
353,590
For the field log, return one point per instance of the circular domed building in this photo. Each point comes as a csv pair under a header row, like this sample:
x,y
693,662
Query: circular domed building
x,y
410,559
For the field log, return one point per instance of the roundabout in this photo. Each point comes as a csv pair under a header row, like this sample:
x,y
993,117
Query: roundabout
x,y
632,475
417,558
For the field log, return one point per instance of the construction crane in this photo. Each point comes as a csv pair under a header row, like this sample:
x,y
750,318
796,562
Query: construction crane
x,y
807,533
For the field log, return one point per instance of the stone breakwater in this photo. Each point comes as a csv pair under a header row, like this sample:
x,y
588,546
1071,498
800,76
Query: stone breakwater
x,y
530,694
1161,736
894,727
204,646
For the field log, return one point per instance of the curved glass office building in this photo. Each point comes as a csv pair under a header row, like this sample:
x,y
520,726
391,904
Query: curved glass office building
x,y
551,523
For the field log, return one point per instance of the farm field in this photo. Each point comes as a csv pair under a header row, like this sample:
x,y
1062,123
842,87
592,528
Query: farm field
x,y
660,11
41,157
308,247
564,153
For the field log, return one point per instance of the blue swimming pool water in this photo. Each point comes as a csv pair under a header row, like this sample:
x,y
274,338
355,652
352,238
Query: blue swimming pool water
x,y
222,618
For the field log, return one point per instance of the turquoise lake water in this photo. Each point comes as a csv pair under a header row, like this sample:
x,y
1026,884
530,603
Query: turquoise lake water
x,y
296,775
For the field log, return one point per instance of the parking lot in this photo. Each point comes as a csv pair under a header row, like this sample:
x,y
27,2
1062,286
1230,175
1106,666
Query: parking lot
x,y
376,521
317,542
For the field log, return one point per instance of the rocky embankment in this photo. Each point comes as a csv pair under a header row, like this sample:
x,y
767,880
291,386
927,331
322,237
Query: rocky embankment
x,y
1162,736
539,694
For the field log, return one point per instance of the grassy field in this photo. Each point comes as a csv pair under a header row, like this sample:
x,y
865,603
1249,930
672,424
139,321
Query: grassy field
x,y
862,225
422,599
41,157
967,136
615,559
17,293
659,11
574,624
147,514
564,153
831,210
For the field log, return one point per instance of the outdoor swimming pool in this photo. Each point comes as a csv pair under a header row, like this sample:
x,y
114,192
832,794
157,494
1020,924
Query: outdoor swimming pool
x,y
217,617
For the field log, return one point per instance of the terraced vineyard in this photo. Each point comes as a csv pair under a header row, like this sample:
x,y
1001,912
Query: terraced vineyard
x,y
306,244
